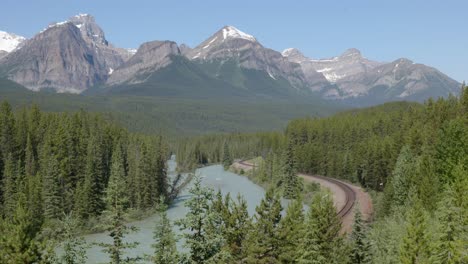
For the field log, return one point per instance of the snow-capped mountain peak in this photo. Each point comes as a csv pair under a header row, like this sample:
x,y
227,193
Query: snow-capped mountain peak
x,y
288,51
9,41
232,32
82,15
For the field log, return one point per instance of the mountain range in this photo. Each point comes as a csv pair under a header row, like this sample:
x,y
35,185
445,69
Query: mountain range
x,y
74,56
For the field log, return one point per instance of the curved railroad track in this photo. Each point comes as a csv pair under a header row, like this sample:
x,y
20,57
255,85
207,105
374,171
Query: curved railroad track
x,y
350,194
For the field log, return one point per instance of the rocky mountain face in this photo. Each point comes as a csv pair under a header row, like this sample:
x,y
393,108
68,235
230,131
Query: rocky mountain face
x,y
231,43
57,58
400,79
112,56
68,56
150,57
353,76
74,55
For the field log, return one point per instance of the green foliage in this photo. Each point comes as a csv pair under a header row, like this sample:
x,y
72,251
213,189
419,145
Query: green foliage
x,y
175,115
451,242
322,241
452,148
291,231
165,250
227,159
265,241
291,184
402,177
415,246
238,226
203,237
74,247
117,202
19,242
360,244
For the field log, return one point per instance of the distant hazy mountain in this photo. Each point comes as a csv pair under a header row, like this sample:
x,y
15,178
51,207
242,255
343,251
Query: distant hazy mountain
x,y
74,56
355,78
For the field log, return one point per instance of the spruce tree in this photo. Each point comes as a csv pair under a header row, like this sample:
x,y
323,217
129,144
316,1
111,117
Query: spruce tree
x,y
202,239
227,159
165,250
360,246
9,186
146,177
162,185
51,188
415,244
74,247
291,231
402,176
237,226
7,131
90,190
265,242
291,186
451,238
117,202
19,241
322,237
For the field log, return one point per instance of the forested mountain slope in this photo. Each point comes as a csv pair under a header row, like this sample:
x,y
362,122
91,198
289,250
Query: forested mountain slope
x,y
174,116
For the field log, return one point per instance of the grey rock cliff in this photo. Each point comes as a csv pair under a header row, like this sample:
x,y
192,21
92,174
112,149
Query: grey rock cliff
x,y
150,57
57,58
231,43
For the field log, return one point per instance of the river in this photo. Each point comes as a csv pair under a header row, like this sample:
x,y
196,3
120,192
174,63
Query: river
x,y
212,176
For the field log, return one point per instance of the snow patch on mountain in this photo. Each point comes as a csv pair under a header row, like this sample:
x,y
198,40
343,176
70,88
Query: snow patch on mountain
x,y
232,32
132,51
9,41
288,52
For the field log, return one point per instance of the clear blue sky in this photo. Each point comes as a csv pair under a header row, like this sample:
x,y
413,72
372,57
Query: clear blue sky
x,y
426,31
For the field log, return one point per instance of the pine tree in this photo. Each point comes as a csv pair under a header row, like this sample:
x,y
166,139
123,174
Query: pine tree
x,y
322,238
9,186
74,247
360,246
7,131
34,199
90,190
238,225
146,178
464,99
51,188
292,186
162,185
165,250
402,176
227,159
450,243
291,231
19,241
415,244
265,242
30,159
202,240
117,202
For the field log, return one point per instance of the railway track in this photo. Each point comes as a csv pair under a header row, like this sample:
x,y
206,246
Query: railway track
x,y
350,194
